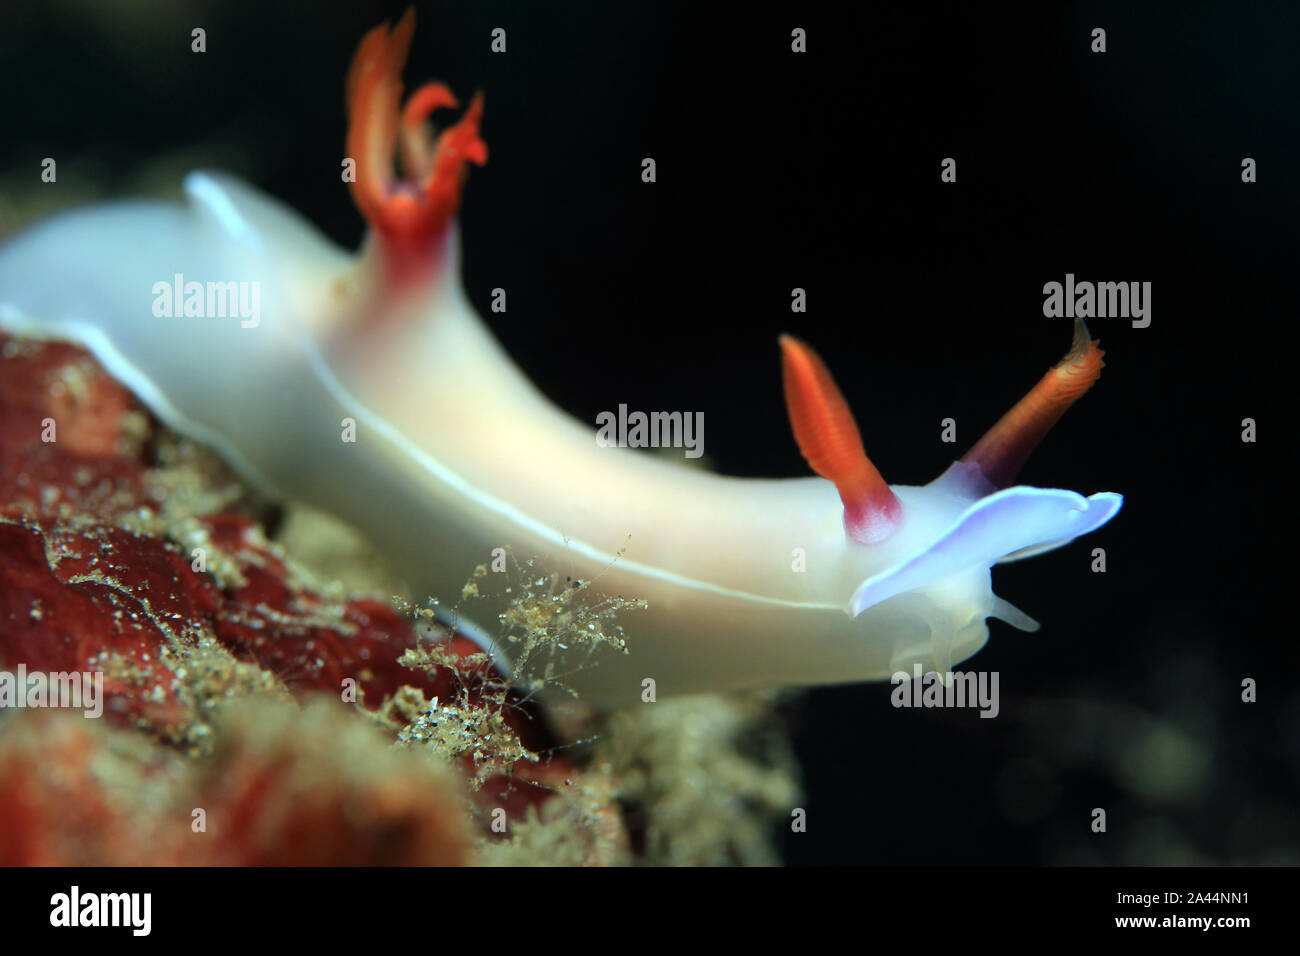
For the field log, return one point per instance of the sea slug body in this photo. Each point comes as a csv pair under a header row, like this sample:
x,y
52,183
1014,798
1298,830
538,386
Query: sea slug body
x,y
456,454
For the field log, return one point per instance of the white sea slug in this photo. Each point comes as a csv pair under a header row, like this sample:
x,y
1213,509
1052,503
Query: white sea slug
x,y
457,454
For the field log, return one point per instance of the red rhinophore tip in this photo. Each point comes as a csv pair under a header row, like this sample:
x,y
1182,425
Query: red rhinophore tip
x,y
1002,452
829,440
410,214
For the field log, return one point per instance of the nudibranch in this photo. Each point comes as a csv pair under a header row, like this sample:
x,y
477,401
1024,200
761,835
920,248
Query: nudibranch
x,y
749,583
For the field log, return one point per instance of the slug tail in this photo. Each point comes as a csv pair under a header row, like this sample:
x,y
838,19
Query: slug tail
x,y
1002,452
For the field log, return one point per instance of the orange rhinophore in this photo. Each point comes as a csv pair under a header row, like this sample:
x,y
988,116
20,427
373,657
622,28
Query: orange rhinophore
x,y
409,214
829,440
1001,453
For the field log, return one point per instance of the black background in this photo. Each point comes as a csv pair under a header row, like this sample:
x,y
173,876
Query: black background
x,y
821,170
